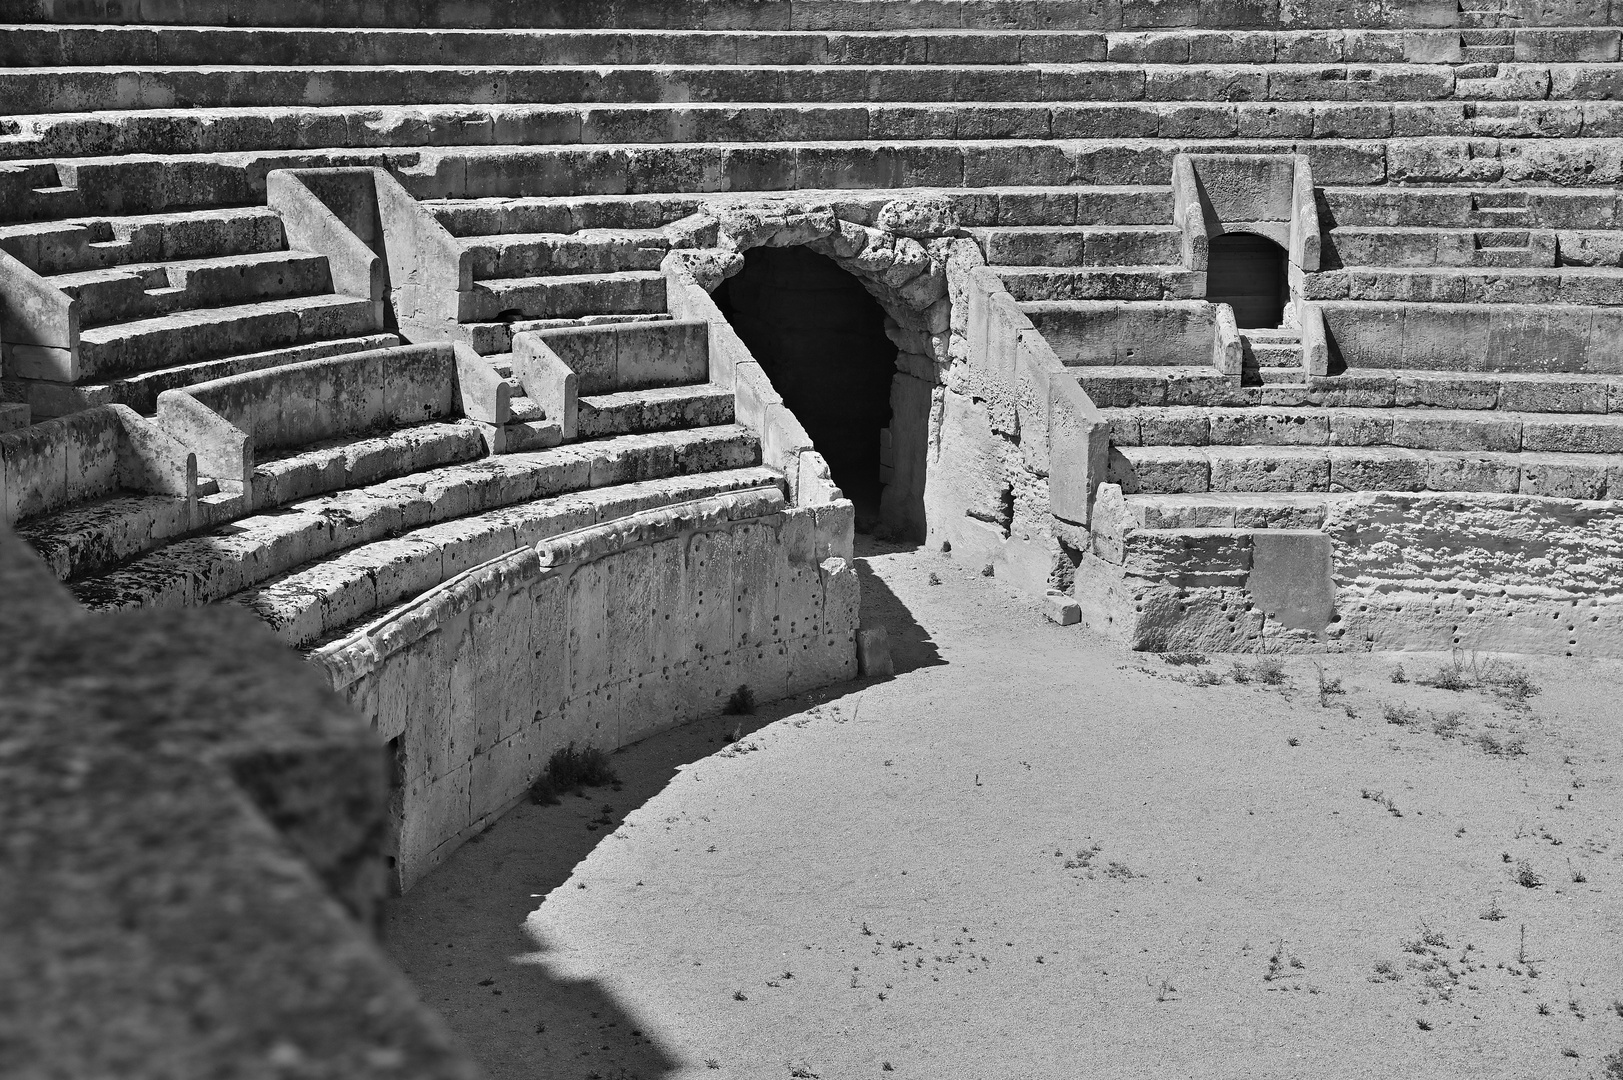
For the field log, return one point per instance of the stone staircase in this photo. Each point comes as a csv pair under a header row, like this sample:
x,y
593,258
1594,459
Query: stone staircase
x,y
165,300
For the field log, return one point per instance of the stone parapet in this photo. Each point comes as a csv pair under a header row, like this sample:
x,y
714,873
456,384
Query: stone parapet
x,y
597,637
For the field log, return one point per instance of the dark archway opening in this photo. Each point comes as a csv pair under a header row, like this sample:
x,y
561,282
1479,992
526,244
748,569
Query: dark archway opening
x,y
1248,272
820,337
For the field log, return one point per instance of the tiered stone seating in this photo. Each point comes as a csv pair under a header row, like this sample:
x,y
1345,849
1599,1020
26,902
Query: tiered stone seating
x,y
171,298
1465,300
359,485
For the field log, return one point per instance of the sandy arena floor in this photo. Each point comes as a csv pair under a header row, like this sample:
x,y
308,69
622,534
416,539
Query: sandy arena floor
x,y
1033,854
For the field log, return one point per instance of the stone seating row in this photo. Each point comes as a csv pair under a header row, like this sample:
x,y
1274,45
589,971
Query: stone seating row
x,y
810,14
229,130
85,46
31,91
71,188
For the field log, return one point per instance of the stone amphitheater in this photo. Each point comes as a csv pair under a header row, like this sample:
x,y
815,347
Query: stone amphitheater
x,y
522,371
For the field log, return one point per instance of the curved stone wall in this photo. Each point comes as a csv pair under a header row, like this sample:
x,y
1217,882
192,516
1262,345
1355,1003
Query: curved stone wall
x,y
597,637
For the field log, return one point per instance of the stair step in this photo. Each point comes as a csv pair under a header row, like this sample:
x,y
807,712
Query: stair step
x,y
1588,286
65,247
135,291
986,206
1230,510
1273,354
568,296
496,338
325,600
524,409
749,43
1035,283
664,408
246,552
30,91
1187,469
1569,394
1466,208
590,251
1410,428
140,392
359,460
1409,246
94,536
188,337
1080,245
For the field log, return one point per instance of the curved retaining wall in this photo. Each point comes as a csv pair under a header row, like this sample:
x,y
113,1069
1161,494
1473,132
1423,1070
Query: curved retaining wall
x,y
600,637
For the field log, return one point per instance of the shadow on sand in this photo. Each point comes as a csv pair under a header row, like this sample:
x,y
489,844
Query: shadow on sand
x,y
910,645
459,933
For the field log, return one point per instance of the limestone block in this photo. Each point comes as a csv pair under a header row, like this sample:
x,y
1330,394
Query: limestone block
x,y
873,653
1563,477
1364,338
1061,609
1292,579
1242,427
1457,432
765,668
504,674
591,718
1199,557
1275,471
1464,472
1190,472
330,596
628,609
503,773
434,812
1376,469
800,601
1282,120
1174,426
755,589
816,662
648,706
1589,249
1531,394
708,598
1443,391
1534,339
1360,428
549,645
587,654
1572,437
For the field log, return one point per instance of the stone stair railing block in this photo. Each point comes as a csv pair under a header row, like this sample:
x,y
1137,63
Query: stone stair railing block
x,y
482,393
334,213
548,381
39,325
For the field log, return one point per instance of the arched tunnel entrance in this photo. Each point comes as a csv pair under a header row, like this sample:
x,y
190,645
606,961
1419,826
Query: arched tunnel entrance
x,y
1248,272
821,339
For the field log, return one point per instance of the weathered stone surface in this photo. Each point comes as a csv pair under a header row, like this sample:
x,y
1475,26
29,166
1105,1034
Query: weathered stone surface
x,y
196,820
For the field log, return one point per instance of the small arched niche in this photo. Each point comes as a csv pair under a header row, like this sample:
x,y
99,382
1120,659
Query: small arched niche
x,y
1250,274
820,337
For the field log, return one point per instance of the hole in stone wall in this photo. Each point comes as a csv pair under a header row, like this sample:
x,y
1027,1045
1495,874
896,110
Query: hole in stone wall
x,y
1247,272
821,339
